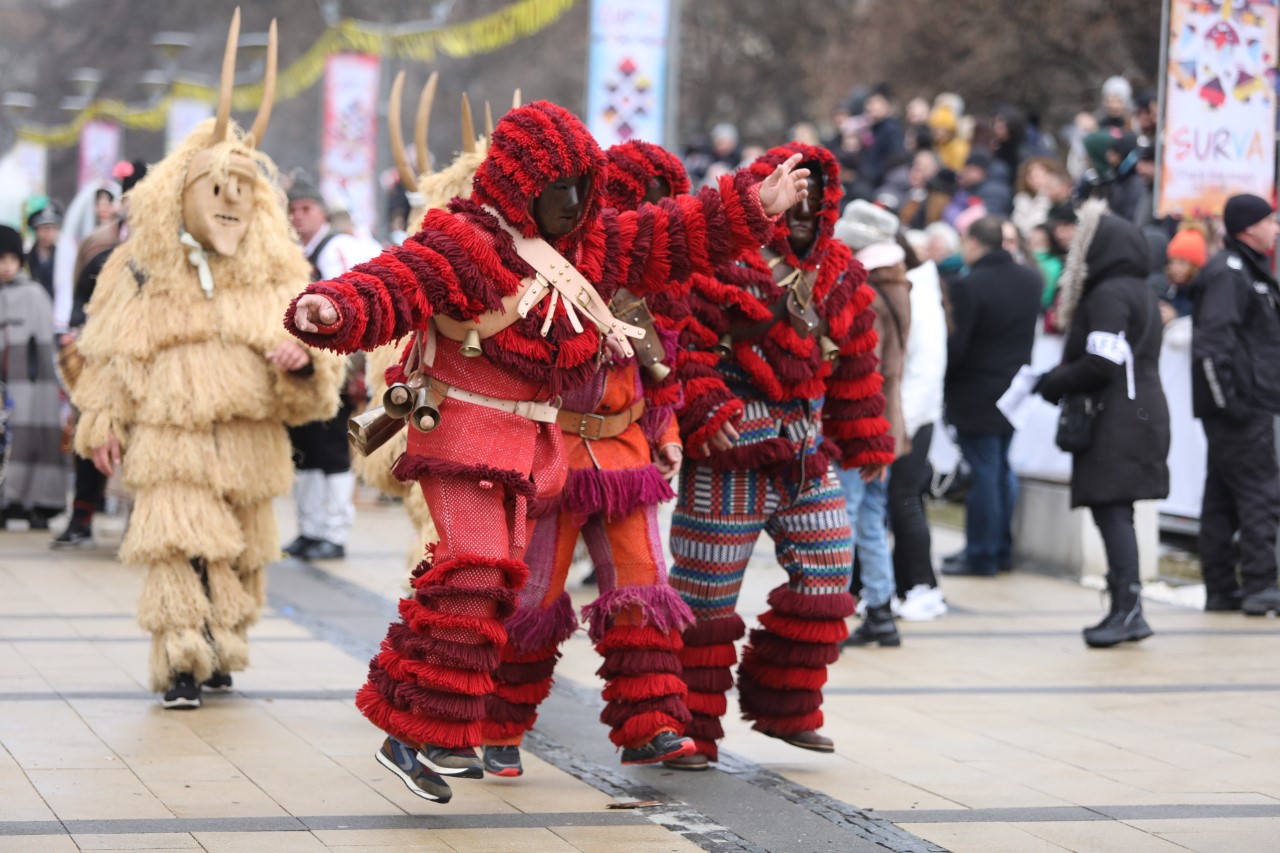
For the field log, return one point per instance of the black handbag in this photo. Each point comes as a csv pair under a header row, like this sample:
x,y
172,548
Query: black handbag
x,y
1075,422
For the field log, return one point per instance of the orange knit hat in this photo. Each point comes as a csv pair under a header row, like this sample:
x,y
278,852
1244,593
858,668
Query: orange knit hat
x,y
1188,245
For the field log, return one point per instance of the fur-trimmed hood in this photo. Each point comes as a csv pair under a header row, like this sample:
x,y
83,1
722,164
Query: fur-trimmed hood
x,y
632,165
824,163
1104,247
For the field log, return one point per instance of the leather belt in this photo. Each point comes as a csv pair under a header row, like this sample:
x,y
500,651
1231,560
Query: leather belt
x,y
543,413
594,427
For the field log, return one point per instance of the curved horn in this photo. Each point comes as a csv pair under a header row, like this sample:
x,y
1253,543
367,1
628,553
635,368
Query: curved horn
x,y
515,99
396,132
228,80
468,127
488,121
259,128
425,102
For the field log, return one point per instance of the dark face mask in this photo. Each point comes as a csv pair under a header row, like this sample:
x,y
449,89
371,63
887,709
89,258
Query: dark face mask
x,y
557,208
802,217
659,188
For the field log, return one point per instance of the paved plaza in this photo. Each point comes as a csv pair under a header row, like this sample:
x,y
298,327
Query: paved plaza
x,y
992,730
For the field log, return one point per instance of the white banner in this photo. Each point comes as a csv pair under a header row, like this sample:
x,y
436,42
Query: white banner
x,y
184,115
627,71
349,145
99,151
1220,105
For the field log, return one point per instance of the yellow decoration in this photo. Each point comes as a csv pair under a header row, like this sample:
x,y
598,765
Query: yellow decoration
x,y
483,35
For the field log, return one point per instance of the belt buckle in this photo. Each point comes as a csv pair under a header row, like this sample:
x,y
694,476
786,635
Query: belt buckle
x,y
582,426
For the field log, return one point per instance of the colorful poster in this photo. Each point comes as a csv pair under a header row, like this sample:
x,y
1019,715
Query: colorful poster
x,y
627,71
33,158
184,115
99,151
1220,104
349,142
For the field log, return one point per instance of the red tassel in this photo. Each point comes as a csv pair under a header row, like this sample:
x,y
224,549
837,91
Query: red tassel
x,y
710,704
805,630
779,651
435,677
709,680
838,605
413,730
499,710
707,748
423,621
637,688
715,631
642,727
705,727
723,655
495,732
786,725
622,637
617,713
777,703
638,663
511,654
524,673
783,678
524,694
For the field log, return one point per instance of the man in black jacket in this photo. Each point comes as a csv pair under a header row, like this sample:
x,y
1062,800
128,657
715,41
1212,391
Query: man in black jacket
x,y
994,310
1235,391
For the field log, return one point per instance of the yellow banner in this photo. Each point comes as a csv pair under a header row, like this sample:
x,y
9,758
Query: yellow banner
x,y
483,35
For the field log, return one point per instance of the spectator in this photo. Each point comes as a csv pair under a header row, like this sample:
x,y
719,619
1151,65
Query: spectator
x,y
47,224
35,473
1081,127
1187,254
1146,117
1062,230
945,251
952,150
923,197
855,186
886,147
923,372
1032,199
104,206
1112,358
994,309
977,185
872,233
1128,192
725,149
1235,391
1009,139
1048,260
1117,104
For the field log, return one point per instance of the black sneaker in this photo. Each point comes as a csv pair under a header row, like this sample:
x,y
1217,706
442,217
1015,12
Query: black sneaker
x,y
77,535
298,545
1223,602
39,521
1262,603
503,761
403,761
665,746
322,550
183,694
459,763
219,682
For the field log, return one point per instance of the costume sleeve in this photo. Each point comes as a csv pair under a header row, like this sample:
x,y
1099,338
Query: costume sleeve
x,y
1107,350
657,244
1217,321
100,393
853,416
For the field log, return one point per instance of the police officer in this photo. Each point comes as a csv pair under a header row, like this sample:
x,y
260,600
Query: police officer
x,y
1236,394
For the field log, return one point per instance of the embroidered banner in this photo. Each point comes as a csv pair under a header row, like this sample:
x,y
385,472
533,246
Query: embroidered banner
x,y
627,71
349,141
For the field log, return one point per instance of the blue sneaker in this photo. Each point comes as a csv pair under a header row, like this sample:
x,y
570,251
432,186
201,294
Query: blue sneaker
x,y
403,761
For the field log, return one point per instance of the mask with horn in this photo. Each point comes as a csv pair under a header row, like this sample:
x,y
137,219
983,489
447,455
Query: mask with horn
x,y
217,196
411,181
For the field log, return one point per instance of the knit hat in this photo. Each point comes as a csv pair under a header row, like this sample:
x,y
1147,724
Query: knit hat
x,y
1188,245
1243,211
10,241
942,118
1062,213
863,224
304,188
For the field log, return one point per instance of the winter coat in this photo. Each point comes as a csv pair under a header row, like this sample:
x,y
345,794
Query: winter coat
x,y
1235,343
893,326
1112,352
925,368
994,309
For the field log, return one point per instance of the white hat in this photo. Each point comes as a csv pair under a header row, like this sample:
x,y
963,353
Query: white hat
x,y
863,224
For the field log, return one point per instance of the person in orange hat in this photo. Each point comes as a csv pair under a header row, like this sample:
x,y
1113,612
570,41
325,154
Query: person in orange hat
x,y
1187,254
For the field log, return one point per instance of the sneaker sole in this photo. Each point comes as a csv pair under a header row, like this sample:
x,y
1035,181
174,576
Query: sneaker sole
x,y
453,772
687,768
506,772
688,748
180,704
408,781
71,546
219,690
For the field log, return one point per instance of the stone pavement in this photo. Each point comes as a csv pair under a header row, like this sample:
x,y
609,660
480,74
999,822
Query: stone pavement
x,y
993,729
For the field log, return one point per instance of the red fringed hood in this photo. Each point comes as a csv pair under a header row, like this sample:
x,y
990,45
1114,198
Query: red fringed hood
x,y
831,194
532,145
632,165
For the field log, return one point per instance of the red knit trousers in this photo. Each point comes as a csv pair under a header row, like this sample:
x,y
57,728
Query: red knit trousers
x,y
707,658
784,664
429,682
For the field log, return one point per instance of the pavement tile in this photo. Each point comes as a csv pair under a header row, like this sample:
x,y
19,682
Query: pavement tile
x,y
19,800
1084,835
77,794
982,838
632,839
259,842
508,841
417,840
147,841
38,844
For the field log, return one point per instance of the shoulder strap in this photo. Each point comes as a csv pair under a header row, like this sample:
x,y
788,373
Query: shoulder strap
x,y
312,258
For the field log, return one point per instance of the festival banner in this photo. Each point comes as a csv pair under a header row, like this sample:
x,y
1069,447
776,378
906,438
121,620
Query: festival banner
x,y
349,140
184,115
99,151
1220,105
33,158
627,71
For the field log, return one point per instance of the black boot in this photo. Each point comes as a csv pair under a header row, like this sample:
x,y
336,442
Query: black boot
x,y
1124,623
877,627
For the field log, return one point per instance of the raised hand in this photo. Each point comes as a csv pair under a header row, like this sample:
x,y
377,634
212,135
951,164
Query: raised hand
x,y
314,311
786,186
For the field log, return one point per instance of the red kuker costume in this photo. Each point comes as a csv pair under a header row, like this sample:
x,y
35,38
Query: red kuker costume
x,y
496,448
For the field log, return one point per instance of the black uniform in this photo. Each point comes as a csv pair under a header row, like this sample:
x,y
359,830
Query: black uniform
x,y
1235,388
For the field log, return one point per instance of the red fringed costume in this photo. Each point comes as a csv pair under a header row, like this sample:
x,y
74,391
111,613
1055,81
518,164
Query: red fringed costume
x,y
796,413
610,499
489,458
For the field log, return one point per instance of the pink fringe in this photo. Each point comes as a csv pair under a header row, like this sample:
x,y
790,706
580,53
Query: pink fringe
x,y
660,607
534,628
614,493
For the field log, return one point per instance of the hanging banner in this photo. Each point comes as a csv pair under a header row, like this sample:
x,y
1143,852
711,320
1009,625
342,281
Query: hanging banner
x,y
99,151
627,71
1220,105
33,158
184,115
349,141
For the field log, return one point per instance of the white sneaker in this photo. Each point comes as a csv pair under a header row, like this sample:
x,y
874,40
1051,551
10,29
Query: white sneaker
x,y
922,604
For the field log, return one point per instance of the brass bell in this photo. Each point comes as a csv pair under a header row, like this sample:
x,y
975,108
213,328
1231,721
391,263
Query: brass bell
x,y
659,371
830,349
426,416
470,344
398,400
724,348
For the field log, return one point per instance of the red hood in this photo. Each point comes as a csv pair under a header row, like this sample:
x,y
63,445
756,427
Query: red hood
x,y
531,146
632,165
831,194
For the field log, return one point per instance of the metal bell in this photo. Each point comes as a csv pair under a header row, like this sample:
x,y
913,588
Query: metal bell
x,y
830,349
659,371
398,400
724,348
470,344
425,416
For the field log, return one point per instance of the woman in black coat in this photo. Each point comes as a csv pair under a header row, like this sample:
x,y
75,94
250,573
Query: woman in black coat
x,y
1112,354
